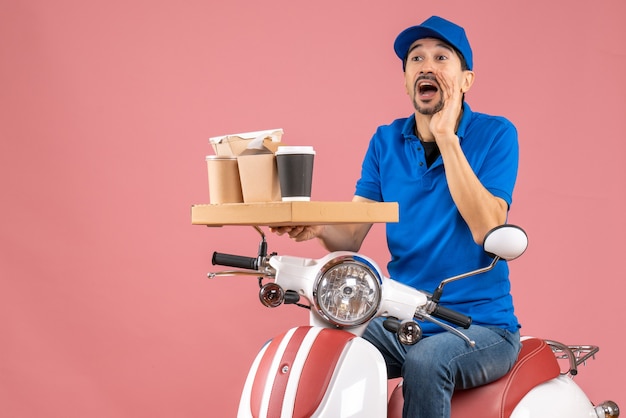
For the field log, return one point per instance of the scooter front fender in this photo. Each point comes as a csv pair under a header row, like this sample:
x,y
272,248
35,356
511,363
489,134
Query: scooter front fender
x,y
316,372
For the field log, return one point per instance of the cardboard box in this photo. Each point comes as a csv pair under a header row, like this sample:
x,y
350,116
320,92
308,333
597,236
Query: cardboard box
x,y
294,213
257,165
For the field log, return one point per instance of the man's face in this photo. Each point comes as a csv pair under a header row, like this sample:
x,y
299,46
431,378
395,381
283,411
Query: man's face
x,y
428,62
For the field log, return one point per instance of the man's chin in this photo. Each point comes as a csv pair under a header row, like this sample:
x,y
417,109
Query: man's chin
x,y
427,110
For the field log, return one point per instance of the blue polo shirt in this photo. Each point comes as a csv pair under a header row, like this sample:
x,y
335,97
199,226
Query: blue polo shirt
x,y
431,241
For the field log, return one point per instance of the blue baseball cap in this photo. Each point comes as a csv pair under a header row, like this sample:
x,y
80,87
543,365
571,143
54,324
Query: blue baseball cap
x,y
434,27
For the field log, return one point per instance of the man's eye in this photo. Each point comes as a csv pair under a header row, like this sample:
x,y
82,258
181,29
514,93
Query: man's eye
x,y
442,57
416,58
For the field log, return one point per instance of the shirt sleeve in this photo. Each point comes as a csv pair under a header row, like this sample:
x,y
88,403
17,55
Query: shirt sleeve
x,y
498,170
368,186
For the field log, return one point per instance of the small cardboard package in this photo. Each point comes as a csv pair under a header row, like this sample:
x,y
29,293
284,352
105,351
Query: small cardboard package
x,y
257,165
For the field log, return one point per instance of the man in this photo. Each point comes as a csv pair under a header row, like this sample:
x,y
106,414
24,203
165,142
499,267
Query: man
x,y
452,171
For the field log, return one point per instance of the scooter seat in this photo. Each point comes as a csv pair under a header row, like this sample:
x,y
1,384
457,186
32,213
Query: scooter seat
x,y
536,364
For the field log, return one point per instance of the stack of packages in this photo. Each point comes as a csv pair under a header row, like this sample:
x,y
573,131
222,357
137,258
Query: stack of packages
x,y
243,169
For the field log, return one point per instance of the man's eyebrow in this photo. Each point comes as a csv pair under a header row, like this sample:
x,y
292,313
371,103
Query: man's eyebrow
x,y
440,44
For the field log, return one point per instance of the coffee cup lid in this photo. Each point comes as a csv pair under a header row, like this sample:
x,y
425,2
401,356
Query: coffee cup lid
x,y
221,157
295,149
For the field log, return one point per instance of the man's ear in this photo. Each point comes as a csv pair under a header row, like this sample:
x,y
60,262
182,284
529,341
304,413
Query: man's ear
x,y
468,80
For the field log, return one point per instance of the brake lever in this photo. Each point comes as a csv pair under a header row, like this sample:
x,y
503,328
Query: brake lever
x,y
427,317
255,273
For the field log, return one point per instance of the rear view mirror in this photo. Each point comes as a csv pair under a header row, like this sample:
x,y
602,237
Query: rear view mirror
x,y
506,241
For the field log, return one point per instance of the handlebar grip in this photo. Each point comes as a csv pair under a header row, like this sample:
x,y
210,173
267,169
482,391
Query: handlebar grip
x,y
238,261
452,316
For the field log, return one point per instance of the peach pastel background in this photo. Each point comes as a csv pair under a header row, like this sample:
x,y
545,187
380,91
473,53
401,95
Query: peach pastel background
x,y
106,108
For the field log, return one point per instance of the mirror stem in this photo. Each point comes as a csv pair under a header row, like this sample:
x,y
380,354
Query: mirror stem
x,y
439,291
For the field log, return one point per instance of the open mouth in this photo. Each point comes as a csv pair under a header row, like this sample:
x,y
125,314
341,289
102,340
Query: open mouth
x,y
426,88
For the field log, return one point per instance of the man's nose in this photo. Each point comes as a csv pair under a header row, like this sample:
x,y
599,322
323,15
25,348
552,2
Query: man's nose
x,y
427,66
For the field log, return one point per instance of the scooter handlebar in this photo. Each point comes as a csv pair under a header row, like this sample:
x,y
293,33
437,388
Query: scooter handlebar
x,y
237,261
452,316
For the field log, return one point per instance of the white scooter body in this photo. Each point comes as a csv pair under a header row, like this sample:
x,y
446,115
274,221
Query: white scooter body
x,y
559,397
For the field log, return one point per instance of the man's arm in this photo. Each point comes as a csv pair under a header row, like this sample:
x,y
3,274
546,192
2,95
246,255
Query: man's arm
x,y
480,209
341,237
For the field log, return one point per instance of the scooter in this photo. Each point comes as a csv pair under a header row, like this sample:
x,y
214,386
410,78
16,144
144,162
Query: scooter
x,y
326,369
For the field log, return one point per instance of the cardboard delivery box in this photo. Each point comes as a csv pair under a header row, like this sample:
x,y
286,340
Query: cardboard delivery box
x,y
256,161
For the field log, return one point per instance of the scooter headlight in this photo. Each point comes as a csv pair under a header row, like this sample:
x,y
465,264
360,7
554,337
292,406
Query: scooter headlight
x,y
347,291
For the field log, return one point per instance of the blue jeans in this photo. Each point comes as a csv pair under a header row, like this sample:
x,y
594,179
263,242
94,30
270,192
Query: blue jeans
x,y
437,365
